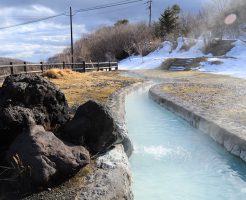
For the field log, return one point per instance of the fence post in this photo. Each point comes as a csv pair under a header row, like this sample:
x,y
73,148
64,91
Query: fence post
x,y
25,67
98,67
84,66
109,63
42,67
72,65
63,65
11,68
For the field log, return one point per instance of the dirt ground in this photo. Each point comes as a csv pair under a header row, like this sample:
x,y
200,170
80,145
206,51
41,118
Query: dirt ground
x,y
222,98
81,87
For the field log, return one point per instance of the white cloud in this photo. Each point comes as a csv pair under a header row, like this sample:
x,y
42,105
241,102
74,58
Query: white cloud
x,y
35,41
41,40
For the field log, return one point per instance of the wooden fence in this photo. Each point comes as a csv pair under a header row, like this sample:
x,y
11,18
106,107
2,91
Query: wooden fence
x,y
41,67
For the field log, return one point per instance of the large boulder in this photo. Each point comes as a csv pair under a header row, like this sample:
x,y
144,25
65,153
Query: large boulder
x,y
93,127
46,157
23,96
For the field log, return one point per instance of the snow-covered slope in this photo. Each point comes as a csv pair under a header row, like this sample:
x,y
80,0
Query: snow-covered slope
x,y
231,66
155,59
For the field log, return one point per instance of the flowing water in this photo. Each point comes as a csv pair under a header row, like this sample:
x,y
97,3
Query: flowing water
x,y
174,161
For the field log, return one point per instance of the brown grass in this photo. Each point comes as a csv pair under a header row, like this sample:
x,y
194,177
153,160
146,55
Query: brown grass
x,y
195,63
219,47
167,63
81,87
179,74
58,73
181,89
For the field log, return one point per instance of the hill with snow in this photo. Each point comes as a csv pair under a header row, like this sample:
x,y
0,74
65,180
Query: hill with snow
x,y
231,63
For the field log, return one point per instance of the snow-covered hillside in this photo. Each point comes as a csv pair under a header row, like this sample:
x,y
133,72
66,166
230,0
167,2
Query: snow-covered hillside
x,y
235,66
155,59
231,66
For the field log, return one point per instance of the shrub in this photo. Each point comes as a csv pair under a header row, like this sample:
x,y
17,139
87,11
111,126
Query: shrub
x,y
112,43
57,73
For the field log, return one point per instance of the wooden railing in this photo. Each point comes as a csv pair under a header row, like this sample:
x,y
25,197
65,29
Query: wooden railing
x,y
41,67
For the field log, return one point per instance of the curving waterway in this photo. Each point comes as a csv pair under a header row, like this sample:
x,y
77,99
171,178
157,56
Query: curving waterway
x,y
174,161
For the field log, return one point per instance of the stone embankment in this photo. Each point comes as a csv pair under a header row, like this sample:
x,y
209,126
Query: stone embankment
x,y
46,146
113,174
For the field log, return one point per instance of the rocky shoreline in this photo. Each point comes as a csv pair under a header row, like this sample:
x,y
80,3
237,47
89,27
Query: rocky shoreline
x,y
45,149
111,176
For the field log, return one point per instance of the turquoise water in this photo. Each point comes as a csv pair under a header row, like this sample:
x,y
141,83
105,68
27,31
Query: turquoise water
x,y
174,161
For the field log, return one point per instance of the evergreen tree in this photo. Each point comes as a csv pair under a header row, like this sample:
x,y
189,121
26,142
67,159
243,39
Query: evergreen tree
x,y
122,22
176,9
169,20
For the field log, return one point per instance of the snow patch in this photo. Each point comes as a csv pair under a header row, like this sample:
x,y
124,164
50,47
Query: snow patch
x,y
234,65
157,57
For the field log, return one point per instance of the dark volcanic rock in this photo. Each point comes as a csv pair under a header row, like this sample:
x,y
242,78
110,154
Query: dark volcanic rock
x,y
47,157
23,96
93,127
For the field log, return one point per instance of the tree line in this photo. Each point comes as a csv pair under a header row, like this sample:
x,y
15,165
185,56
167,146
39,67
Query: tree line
x,y
124,38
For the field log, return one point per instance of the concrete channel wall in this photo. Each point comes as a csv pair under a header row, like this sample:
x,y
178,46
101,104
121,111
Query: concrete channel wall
x,y
113,179
233,142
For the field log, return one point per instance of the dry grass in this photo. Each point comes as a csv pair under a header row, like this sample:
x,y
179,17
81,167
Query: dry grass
x,y
219,47
220,97
58,73
183,89
196,62
69,189
179,74
167,63
81,87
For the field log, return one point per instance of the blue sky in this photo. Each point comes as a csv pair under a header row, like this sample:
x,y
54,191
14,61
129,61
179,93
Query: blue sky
x,y
36,42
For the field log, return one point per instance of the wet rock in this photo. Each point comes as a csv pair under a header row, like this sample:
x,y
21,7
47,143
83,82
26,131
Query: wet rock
x,y
46,157
93,127
22,96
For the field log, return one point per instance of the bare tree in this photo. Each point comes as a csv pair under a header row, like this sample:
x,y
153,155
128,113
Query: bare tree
x,y
113,42
128,48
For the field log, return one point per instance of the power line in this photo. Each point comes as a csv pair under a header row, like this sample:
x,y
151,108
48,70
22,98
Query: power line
x,y
107,6
76,11
33,21
116,10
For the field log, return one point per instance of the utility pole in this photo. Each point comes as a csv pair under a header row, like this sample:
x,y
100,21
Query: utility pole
x,y
150,12
71,28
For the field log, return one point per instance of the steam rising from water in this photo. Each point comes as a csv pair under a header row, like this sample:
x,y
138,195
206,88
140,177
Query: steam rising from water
x,y
221,19
159,152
